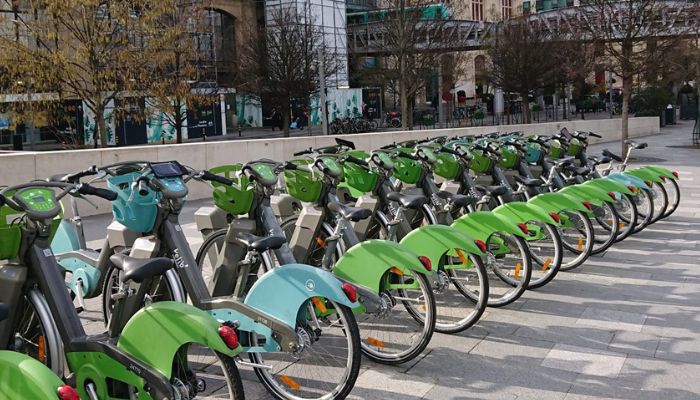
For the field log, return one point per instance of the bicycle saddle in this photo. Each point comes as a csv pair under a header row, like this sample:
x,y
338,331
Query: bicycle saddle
x,y
350,213
140,269
413,202
459,200
259,243
530,182
497,190
599,160
608,153
4,311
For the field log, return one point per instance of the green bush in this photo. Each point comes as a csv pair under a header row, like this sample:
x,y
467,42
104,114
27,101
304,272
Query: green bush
x,y
652,101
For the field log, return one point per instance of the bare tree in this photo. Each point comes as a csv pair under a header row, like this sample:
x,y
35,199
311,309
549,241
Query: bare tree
x,y
81,49
284,63
521,60
635,37
174,64
574,60
413,43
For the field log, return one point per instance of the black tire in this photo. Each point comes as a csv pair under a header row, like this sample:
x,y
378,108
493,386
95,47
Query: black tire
x,y
583,233
481,295
35,333
674,196
280,391
660,201
645,209
627,211
550,264
184,377
606,225
497,276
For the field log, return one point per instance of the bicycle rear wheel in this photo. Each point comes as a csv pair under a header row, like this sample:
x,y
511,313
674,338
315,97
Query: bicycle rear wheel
x,y
606,225
673,192
660,201
202,373
577,238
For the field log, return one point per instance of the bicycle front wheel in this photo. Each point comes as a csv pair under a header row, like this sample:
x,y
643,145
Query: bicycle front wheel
x,y
577,238
546,252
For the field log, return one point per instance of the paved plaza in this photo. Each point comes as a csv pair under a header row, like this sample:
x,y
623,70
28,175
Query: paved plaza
x,y
626,325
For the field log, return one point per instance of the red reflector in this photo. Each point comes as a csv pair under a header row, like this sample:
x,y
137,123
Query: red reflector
x,y
612,195
663,178
648,183
426,262
632,189
523,228
66,392
555,217
481,245
350,292
675,173
588,205
229,336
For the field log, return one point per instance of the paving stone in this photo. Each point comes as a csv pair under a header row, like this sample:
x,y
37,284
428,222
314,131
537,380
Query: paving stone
x,y
612,320
635,343
584,360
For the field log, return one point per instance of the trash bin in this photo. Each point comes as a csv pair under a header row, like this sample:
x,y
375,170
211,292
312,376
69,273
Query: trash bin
x,y
670,114
17,142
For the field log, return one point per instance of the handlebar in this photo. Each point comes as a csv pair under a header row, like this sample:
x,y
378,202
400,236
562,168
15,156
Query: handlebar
x,y
594,135
357,161
448,150
304,152
75,178
106,194
208,176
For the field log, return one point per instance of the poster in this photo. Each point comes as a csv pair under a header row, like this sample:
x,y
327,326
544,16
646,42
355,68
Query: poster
x,y
89,127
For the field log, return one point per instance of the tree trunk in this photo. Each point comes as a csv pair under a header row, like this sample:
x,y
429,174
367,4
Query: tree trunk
x,y
100,127
178,121
405,108
626,94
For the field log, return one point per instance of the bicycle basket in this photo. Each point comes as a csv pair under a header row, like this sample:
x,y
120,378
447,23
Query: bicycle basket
x,y
11,233
303,185
575,147
447,166
407,170
534,153
481,163
555,149
136,212
509,157
236,199
359,178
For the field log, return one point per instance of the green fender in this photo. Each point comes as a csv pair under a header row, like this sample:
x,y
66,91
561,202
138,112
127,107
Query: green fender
x,y
435,241
558,202
592,194
482,224
646,174
367,263
661,171
23,377
156,332
609,185
524,212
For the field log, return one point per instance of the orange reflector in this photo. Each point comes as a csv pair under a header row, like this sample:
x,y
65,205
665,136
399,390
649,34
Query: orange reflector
x,y
396,271
375,342
319,304
545,266
320,242
290,382
42,349
621,225
516,275
461,256
580,243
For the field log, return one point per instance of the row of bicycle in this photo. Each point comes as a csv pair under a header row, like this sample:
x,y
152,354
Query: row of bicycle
x,y
353,252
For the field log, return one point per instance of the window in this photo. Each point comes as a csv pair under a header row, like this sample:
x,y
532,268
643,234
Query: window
x,y
506,8
478,10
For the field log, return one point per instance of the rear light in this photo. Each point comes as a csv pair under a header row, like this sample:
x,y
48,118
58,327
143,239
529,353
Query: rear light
x,y
67,392
632,189
523,228
675,173
350,292
648,183
426,262
663,178
555,217
612,195
229,336
588,205
481,245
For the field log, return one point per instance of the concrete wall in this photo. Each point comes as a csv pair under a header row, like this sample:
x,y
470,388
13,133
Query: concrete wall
x,y
23,167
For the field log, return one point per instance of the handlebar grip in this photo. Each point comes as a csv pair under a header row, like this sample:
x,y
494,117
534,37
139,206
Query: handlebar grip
x,y
357,161
301,153
2,200
208,176
448,150
407,155
642,146
106,194
595,135
290,166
